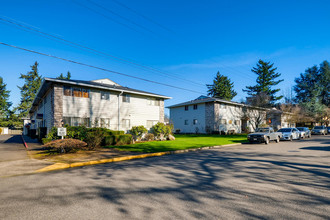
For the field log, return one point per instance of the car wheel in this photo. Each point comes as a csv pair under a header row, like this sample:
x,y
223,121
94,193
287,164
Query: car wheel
x,y
267,140
290,138
277,139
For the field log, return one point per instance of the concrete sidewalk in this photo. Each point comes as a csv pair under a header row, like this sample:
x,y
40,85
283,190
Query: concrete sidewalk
x,y
14,158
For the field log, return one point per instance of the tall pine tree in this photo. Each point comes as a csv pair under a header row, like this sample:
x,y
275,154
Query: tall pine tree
x,y
221,88
266,80
29,89
4,100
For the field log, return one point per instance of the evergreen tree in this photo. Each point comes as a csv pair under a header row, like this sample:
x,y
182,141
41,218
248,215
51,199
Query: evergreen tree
x,y
68,76
265,81
325,83
221,88
307,85
29,89
4,103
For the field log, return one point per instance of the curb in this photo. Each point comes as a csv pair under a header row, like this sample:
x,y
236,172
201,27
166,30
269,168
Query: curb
x,y
61,166
25,145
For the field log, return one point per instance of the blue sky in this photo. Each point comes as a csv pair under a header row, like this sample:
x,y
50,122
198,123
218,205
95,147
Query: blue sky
x,y
189,40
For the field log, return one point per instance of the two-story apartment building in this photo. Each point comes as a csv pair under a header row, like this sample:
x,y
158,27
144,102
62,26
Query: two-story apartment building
x,y
97,103
208,114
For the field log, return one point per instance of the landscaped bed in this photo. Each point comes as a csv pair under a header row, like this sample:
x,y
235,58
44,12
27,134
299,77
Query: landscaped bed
x,y
182,142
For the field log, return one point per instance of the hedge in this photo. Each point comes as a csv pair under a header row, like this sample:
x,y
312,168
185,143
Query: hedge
x,y
118,140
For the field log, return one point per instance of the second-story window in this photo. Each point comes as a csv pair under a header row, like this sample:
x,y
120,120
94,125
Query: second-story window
x,y
67,90
85,93
105,95
195,107
126,98
77,92
186,108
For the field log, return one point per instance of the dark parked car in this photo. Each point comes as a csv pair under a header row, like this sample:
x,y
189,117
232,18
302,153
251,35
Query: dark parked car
x,y
304,132
328,128
320,130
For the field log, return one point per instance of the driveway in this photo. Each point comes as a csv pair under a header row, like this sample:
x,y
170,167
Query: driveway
x,y
288,180
14,158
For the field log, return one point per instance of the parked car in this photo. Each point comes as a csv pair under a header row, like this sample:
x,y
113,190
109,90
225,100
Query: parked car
x,y
290,134
264,135
328,128
320,130
305,132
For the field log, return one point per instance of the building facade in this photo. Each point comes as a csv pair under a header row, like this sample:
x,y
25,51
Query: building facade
x,y
209,115
98,103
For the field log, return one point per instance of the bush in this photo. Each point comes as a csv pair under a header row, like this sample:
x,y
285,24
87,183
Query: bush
x,y
66,145
94,137
160,130
46,140
149,137
138,131
118,140
111,132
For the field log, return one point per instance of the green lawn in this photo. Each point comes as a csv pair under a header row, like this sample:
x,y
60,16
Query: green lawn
x,y
183,142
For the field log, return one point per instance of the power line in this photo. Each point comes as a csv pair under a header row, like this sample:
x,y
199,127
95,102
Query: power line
x,y
98,68
144,67
143,16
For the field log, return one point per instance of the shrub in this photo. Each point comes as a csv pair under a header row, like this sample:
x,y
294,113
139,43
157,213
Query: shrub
x,y
111,132
94,138
149,137
161,130
123,139
66,145
138,131
46,140
109,140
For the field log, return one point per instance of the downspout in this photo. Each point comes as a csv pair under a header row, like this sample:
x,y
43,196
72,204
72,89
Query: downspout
x,y
119,109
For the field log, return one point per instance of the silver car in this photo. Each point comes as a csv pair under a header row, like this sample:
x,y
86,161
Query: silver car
x,y
290,134
304,132
320,130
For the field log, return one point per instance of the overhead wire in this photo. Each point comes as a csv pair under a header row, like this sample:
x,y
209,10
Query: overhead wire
x,y
77,45
98,68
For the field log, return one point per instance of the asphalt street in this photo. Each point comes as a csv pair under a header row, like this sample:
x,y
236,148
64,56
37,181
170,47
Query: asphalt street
x,y
288,180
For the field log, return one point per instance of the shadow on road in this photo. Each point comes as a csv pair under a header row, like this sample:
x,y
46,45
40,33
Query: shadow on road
x,y
316,148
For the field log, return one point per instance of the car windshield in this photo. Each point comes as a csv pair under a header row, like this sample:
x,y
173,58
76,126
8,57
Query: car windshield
x,y
285,130
318,127
262,129
301,129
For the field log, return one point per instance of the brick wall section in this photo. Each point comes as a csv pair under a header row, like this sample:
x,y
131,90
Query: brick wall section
x,y
216,118
161,111
209,116
57,105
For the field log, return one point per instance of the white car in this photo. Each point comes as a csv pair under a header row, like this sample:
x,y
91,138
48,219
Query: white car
x,y
290,134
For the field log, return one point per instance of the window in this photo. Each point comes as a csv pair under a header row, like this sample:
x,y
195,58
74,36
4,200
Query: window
x,y
237,122
105,95
195,121
76,121
195,107
67,90
85,93
126,98
186,108
77,92
223,121
66,121
186,122
126,123
151,123
105,122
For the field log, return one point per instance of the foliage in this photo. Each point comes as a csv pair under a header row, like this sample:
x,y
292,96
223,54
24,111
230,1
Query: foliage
x,y
4,100
160,129
94,138
221,88
118,140
111,132
182,142
138,131
265,81
10,123
29,89
149,137
66,145
46,140
68,76
313,91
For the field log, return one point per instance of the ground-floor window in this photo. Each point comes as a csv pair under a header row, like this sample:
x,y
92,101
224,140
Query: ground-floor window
x,y
105,122
76,121
126,123
151,123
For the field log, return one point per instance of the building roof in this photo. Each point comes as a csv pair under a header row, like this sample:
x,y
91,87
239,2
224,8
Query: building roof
x,y
47,82
205,99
